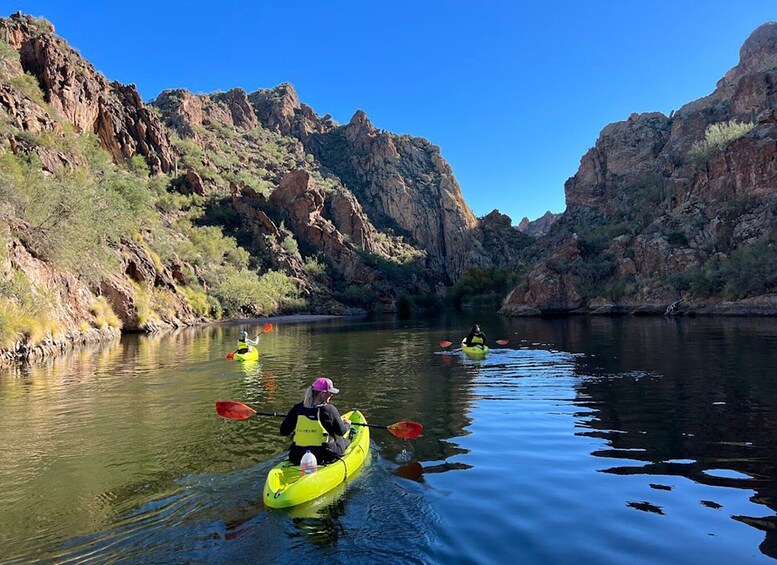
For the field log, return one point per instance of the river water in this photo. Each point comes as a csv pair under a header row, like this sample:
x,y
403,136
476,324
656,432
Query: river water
x,y
602,440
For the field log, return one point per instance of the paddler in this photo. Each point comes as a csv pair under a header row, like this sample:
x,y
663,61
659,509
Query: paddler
x,y
244,342
475,337
317,425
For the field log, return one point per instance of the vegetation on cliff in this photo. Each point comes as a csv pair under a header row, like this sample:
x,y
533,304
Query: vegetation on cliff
x,y
668,208
68,207
121,215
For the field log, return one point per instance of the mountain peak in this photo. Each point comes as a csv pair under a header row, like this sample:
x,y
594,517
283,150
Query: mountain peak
x,y
360,119
758,53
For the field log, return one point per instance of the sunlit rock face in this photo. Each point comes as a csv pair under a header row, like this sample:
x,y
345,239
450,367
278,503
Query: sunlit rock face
x,y
85,98
646,211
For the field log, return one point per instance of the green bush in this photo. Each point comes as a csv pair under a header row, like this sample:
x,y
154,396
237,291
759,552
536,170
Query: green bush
x,y
197,300
357,295
747,271
244,292
716,138
677,239
289,244
314,268
29,86
750,271
477,281
139,166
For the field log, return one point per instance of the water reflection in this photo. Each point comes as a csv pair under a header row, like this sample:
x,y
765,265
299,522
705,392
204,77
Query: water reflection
x,y
693,400
661,430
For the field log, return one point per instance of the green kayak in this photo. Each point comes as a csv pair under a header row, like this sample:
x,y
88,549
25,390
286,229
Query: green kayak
x,y
251,355
285,486
478,351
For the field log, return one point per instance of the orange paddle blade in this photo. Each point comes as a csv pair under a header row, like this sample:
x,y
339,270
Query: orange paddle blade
x,y
445,344
230,355
234,410
413,471
407,430
267,328
502,341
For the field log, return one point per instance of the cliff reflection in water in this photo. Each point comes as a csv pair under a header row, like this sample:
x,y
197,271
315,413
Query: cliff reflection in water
x,y
683,398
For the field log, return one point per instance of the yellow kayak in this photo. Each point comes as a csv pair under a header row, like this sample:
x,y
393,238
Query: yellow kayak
x,y
251,355
478,351
285,487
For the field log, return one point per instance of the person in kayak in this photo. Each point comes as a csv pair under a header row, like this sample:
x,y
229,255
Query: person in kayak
x,y
244,342
475,337
316,425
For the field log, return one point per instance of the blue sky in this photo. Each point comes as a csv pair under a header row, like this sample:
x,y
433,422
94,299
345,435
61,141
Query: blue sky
x,y
514,93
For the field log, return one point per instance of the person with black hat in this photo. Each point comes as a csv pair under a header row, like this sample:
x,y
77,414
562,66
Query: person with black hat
x,y
475,337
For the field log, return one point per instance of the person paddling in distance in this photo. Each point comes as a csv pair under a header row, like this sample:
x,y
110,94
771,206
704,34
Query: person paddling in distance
x,y
475,337
317,425
244,344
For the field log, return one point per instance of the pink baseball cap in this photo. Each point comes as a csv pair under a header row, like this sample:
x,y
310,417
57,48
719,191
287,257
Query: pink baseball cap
x,y
322,384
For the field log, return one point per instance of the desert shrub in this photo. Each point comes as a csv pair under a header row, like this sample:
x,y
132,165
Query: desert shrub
x,y
190,151
139,166
477,281
618,288
7,52
716,138
289,244
240,291
750,271
207,246
104,316
314,268
71,217
747,271
29,86
677,239
594,271
197,300
215,307
357,295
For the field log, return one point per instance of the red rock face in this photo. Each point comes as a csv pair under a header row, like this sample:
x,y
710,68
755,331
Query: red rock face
x,y
680,213
87,99
306,207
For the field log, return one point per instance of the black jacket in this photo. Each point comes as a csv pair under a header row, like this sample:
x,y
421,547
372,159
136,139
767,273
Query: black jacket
x,y
470,335
333,423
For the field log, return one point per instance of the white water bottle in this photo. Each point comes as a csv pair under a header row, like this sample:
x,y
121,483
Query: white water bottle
x,y
308,464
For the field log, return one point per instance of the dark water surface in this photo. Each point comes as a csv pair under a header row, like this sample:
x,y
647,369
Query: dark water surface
x,y
625,440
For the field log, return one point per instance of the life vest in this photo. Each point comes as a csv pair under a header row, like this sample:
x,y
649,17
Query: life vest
x,y
242,346
476,340
309,431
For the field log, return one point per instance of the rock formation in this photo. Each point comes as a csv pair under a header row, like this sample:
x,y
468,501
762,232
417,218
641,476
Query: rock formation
x,y
85,98
648,214
537,227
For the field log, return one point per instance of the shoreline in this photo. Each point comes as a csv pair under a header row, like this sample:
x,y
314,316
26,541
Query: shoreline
x,y
25,354
757,307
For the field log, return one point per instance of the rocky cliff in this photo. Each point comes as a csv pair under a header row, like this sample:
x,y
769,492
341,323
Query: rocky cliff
x,y
139,216
402,182
537,227
56,190
673,207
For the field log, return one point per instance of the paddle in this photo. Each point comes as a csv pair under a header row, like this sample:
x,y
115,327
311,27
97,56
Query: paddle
x,y
445,343
266,329
233,410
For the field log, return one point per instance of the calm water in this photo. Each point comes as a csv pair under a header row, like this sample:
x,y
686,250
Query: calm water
x,y
585,440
